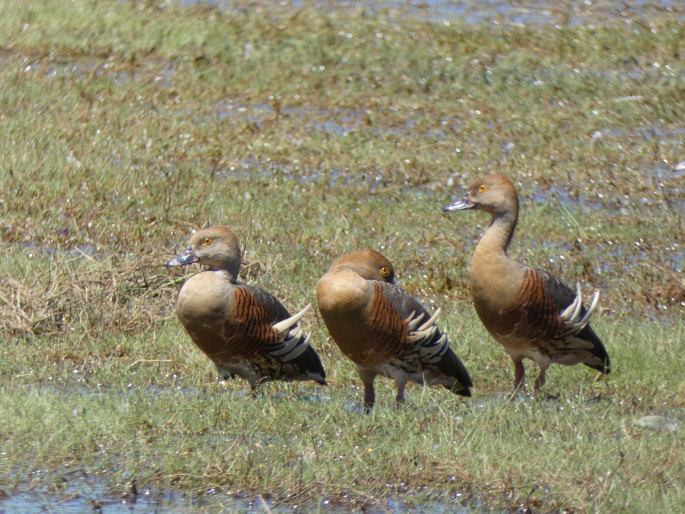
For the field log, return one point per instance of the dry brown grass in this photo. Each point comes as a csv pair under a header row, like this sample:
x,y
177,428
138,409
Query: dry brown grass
x,y
96,296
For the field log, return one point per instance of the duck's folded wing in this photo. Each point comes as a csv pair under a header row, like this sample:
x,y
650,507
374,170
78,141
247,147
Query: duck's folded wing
x,y
551,314
278,334
416,331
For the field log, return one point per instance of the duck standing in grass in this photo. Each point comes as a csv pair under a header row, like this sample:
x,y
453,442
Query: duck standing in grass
x,y
528,311
384,330
245,331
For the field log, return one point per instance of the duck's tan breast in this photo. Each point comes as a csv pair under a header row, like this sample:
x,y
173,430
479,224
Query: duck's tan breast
x,y
343,297
495,286
345,301
204,302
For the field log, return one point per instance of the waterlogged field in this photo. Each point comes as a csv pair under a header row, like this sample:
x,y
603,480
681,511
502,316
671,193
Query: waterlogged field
x,y
313,129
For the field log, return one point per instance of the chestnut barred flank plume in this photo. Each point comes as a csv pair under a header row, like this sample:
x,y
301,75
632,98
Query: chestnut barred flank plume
x,y
383,330
244,330
530,312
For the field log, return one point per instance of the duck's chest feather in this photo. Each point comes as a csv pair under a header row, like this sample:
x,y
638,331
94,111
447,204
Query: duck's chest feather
x,y
361,321
495,286
204,306
227,320
205,300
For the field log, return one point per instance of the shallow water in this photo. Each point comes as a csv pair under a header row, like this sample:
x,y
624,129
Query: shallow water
x,y
33,502
89,494
92,497
500,12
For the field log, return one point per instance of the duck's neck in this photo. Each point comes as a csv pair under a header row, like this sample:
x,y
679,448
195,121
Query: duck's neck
x,y
495,278
227,274
497,237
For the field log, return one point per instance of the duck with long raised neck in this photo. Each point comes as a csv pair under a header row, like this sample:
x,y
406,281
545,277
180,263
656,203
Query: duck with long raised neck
x,y
383,329
244,330
528,311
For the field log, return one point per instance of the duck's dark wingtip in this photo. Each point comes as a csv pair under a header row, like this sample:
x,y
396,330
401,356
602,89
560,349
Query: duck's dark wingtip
x,y
600,357
460,388
607,367
604,367
309,366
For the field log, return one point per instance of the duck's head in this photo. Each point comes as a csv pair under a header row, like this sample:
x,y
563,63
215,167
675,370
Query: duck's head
x,y
215,247
495,194
368,264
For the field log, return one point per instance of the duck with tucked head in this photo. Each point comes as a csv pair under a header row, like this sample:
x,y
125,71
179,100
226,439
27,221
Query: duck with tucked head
x,y
528,311
244,330
383,329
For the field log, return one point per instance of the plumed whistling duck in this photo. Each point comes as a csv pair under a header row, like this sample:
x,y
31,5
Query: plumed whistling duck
x,y
245,331
383,329
528,311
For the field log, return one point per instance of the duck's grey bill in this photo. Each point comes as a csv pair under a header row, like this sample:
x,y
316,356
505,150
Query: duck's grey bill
x,y
187,257
459,205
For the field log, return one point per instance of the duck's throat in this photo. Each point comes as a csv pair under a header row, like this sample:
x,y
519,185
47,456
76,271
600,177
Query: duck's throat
x,y
492,271
497,237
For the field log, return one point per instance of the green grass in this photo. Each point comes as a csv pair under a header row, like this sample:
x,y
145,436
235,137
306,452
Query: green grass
x,y
126,125
149,407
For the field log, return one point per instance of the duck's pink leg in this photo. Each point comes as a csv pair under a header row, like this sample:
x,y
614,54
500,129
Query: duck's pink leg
x,y
399,399
519,372
368,377
540,380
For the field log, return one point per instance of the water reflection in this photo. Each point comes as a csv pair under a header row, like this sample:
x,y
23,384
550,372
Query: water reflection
x,y
499,12
88,494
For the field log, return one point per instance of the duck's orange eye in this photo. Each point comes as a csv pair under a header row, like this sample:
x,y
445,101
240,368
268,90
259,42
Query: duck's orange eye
x,y
207,241
385,271
482,188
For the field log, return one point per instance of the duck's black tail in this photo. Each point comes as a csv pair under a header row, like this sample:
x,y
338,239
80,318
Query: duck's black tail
x,y
452,366
600,358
